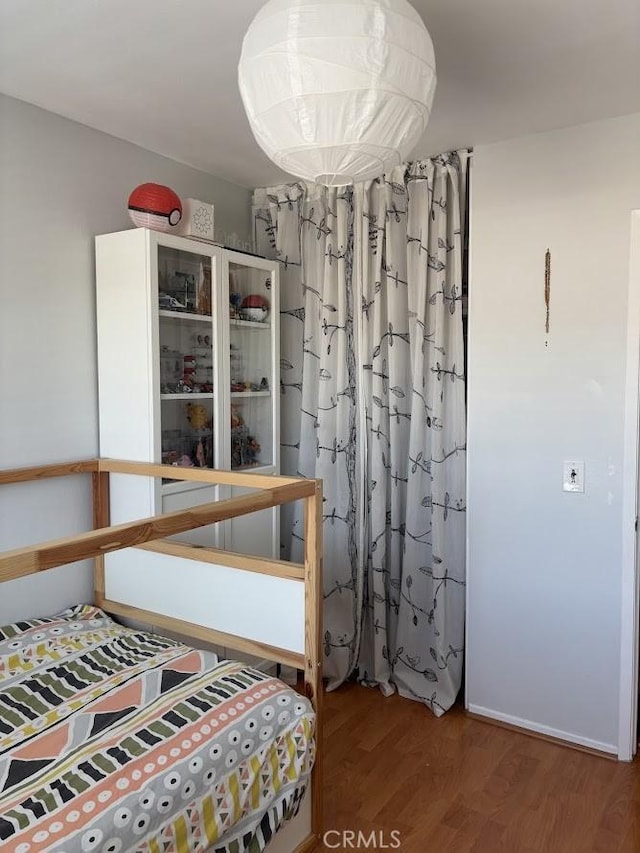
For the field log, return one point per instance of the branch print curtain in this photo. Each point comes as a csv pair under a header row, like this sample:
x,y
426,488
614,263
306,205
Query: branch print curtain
x,y
310,229
373,402
410,251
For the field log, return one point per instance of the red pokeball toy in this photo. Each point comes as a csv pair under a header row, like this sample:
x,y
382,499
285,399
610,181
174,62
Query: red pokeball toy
x,y
254,307
155,206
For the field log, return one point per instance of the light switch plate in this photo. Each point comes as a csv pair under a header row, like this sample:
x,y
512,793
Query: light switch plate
x,y
573,476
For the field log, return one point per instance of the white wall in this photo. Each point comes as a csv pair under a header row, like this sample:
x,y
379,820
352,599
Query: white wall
x,y
62,183
544,566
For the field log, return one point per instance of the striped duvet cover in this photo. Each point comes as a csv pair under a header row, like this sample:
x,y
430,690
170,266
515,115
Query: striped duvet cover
x,y
117,740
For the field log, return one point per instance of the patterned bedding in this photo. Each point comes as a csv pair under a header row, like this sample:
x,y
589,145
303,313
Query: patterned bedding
x,y
116,740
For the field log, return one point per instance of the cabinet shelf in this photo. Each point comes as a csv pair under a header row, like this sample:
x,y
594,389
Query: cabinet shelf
x,y
262,467
185,315
249,324
190,396
251,393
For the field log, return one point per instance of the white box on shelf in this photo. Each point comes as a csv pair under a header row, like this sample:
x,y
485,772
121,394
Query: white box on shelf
x,y
197,219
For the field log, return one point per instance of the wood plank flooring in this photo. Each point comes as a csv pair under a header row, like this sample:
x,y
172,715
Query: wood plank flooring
x,y
456,785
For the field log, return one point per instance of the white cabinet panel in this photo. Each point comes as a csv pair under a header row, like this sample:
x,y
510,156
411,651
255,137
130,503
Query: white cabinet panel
x,y
255,534
209,536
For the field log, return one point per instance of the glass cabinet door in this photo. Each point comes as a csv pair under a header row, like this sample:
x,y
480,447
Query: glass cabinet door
x,y
251,373
186,370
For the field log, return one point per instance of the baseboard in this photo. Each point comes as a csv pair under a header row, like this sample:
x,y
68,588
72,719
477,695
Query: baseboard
x,y
527,727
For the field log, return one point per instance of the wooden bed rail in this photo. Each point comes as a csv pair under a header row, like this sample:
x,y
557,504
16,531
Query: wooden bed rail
x,y
44,472
212,476
59,552
150,534
245,562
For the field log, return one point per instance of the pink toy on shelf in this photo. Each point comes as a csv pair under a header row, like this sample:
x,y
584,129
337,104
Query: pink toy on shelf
x,y
185,461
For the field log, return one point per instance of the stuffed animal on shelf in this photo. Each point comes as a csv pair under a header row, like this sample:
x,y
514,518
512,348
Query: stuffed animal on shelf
x,y
198,416
236,418
253,450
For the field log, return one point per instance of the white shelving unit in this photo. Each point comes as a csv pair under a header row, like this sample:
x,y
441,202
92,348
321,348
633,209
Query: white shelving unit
x,y
166,373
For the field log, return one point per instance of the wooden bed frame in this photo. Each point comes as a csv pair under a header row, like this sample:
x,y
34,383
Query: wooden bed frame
x,y
150,533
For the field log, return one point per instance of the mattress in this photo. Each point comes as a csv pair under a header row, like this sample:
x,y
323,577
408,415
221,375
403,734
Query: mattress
x,y
116,740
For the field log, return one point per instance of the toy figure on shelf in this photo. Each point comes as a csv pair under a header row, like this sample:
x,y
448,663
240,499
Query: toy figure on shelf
x,y
198,416
253,451
184,461
189,370
203,294
170,303
235,300
238,444
203,452
236,418
245,450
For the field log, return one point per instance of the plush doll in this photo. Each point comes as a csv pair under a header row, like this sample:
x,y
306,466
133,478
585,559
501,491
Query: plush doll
x,y
236,418
197,416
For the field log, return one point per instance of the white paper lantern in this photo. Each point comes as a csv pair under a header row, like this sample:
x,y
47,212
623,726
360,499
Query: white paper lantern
x,y
337,91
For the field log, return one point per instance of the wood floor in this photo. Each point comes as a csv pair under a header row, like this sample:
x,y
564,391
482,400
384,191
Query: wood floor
x,y
457,784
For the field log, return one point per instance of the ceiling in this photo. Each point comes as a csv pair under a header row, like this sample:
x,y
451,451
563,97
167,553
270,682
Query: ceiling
x,y
162,73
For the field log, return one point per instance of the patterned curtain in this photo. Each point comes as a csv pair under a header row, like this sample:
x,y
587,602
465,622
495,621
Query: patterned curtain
x,y
310,229
410,249
374,403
